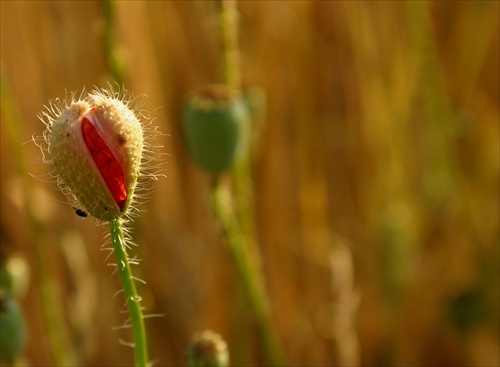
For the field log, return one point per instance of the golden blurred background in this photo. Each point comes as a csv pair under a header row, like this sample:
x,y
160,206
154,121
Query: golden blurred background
x,y
376,179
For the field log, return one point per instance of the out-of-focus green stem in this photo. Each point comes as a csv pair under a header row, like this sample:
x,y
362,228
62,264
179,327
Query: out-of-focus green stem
x,y
132,298
248,268
114,56
61,348
441,175
230,53
239,225
241,173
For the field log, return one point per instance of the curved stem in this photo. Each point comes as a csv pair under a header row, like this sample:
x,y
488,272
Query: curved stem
x,y
247,264
239,226
133,300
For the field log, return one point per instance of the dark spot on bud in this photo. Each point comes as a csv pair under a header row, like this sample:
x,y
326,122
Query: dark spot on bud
x,y
121,140
80,213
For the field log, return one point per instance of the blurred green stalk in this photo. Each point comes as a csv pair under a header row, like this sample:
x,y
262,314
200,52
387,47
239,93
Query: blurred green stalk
x,y
113,53
247,265
240,227
441,174
230,53
58,339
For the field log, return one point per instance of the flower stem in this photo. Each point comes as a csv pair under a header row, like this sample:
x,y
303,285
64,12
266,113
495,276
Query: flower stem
x,y
248,266
239,224
230,54
113,52
133,300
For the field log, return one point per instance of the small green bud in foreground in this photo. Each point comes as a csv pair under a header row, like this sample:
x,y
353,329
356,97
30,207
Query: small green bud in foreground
x,y
207,349
12,330
216,128
96,146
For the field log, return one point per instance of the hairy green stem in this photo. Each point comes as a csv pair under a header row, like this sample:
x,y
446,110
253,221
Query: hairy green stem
x,y
248,267
132,299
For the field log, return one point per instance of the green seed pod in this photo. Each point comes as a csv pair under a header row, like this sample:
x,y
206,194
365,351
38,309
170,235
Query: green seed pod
x,y
207,349
12,330
96,146
216,128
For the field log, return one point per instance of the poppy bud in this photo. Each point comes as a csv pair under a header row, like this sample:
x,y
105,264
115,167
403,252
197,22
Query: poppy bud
x,y
207,349
96,146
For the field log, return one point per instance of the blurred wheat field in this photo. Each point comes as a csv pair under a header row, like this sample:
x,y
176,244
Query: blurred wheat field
x,y
376,179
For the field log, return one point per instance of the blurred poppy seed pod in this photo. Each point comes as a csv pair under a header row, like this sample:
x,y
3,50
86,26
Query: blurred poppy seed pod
x,y
96,146
216,128
207,349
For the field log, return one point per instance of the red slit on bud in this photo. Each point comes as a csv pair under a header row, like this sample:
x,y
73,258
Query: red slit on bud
x,y
108,166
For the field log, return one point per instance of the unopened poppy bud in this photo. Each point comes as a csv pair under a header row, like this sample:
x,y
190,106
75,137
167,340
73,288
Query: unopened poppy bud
x,y
216,128
96,146
207,349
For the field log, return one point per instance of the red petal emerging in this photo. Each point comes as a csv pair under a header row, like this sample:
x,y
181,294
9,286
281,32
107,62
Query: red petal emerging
x,y
108,166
